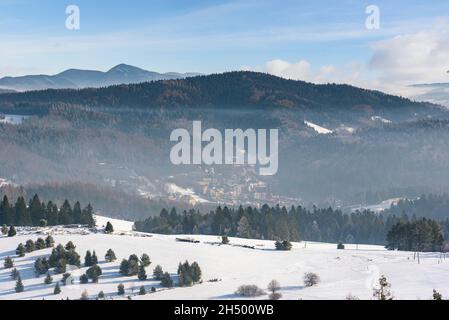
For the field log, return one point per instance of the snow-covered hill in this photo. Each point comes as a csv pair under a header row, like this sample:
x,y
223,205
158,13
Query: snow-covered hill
x,y
342,272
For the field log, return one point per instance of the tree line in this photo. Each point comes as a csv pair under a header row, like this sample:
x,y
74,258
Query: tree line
x,y
275,223
37,213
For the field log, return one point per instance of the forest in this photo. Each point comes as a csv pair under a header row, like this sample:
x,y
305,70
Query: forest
x,y
278,223
38,213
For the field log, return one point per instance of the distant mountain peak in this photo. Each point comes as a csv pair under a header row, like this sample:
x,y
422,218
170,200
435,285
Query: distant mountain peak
x,y
79,78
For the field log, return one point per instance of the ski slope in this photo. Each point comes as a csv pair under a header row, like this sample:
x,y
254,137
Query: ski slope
x,y
342,272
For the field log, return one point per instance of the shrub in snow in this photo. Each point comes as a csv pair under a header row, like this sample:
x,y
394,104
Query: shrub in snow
x,y
4,229
110,256
351,297
283,246
437,295
249,291
224,240
340,246
109,228
120,289
311,279
274,287
12,231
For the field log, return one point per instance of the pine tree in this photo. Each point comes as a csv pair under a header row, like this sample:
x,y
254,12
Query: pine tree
x,y
88,259
49,242
142,275
101,295
94,273
110,256
70,246
14,274
94,258
20,251
7,214
158,273
166,280
12,231
120,289
77,214
19,285
196,272
224,240
66,279
48,279
145,259
40,244
35,210
8,263
142,291
84,279
30,246
57,289
109,228
41,266
23,217
65,213
124,267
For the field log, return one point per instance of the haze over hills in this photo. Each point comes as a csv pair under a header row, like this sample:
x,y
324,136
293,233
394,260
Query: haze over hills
x,y
434,92
76,79
117,138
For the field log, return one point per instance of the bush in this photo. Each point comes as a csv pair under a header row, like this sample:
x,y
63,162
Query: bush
x,y
120,289
145,259
101,295
84,279
283,246
4,230
30,246
66,279
20,251
48,279
351,297
249,291
142,291
94,273
225,240
49,242
40,244
57,289
311,279
109,228
437,295
43,223
341,246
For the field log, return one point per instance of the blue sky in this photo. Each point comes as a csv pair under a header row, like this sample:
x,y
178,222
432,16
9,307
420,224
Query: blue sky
x,y
309,39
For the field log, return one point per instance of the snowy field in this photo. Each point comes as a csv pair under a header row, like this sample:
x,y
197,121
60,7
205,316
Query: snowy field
x,y
342,272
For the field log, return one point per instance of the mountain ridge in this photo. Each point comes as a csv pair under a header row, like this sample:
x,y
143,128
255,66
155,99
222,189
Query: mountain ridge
x,y
84,78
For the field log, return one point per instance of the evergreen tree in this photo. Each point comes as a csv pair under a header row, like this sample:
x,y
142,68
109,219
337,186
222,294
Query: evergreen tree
x,y
19,285
124,267
14,274
23,217
87,217
110,256
61,266
40,244
145,259
52,214
49,242
70,246
142,275
12,231
20,251
8,263
43,223
66,279
94,273
120,289
30,246
65,213
84,279
88,259
196,272
57,289
4,230
109,228
41,266
36,211
7,215
166,280
101,295
48,279
77,214
224,240
94,258
142,291
158,273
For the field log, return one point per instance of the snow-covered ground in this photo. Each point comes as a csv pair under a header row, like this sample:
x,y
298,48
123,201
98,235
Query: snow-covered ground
x,y
317,128
342,272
